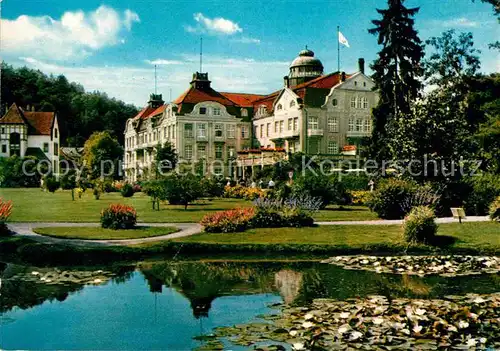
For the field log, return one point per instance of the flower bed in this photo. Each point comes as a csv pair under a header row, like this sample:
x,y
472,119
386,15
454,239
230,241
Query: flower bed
x,y
5,212
118,216
243,192
230,221
420,265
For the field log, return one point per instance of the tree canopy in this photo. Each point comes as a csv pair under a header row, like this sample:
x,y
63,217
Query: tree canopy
x,y
79,113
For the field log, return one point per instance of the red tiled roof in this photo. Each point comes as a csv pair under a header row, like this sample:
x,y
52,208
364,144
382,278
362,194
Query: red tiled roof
x,y
267,101
144,113
13,116
194,96
40,121
159,110
243,99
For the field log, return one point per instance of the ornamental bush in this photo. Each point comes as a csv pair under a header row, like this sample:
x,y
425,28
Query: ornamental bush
x,y
51,184
5,212
236,220
359,197
420,225
328,189
484,190
243,192
390,198
118,216
495,210
127,190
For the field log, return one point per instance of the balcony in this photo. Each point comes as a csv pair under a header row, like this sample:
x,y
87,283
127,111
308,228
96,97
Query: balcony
x,y
201,137
357,134
286,134
315,132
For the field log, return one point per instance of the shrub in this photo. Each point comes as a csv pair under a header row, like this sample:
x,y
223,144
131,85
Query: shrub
x,y
388,200
182,190
212,187
243,192
359,197
51,184
484,190
137,188
268,219
495,210
420,225
355,182
236,220
68,180
127,190
328,189
5,212
293,212
118,216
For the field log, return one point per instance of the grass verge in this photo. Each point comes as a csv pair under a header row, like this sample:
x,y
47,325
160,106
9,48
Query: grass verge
x,y
97,233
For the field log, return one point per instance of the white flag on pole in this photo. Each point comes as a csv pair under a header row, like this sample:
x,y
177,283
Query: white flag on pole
x,y
343,40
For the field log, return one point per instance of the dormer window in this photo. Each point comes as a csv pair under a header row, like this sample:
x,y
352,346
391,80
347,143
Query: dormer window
x,y
244,112
262,110
335,102
216,111
279,107
292,103
203,110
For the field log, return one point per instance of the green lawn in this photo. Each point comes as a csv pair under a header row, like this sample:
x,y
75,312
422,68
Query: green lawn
x,y
96,233
480,235
34,205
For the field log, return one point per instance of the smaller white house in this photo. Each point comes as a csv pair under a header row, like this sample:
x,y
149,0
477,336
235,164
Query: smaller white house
x,y
30,133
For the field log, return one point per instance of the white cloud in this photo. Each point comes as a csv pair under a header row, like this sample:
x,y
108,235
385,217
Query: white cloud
x,y
460,22
247,40
133,84
74,35
216,25
164,62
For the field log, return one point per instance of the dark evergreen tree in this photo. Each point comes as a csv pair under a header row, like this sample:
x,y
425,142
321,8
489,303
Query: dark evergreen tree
x,y
165,158
397,73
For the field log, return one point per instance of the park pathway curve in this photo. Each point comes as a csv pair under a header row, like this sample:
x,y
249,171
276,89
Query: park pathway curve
x,y
184,229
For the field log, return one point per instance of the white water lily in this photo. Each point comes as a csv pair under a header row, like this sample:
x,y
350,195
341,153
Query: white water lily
x,y
405,331
307,324
344,328
43,279
399,325
355,335
483,340
379,310
97,281
48,280
417,328
35,273
377,320
452,328
420,311
308,316
365,262
463,324
298,346
471,342
292,332
345,315
479,299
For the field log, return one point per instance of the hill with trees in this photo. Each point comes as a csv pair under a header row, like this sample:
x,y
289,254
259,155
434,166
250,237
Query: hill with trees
x,y
80,113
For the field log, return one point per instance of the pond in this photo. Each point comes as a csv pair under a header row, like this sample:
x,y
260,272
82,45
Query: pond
x,y
166,305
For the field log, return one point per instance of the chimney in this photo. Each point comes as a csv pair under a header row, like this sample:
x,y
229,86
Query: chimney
x,y
286,81
33,108
342,78
361,64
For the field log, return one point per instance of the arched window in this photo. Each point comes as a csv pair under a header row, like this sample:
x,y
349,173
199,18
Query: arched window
x,y
15,144
335,102
244,112
279,107
292,103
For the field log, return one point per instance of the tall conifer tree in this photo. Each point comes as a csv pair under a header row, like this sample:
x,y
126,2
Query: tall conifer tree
x,y
397,73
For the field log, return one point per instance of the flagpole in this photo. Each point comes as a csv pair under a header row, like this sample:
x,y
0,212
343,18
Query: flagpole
x,y
338,48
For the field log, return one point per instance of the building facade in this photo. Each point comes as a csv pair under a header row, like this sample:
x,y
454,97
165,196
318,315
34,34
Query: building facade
x,y
314,113
30,133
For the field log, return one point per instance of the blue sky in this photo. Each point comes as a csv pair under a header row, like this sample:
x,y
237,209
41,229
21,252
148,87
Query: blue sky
x,y
112,45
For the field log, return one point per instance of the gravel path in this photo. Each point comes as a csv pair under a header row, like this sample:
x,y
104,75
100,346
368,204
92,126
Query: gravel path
x,y
185,229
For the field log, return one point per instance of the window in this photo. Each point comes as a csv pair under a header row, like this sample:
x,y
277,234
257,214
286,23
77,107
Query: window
x,y
202,151
279,107
353,102
367,126
218,151
217,170
333,124
268,129
292,103
188,152
313,123
365,102
4,149
188,130
333,147
276,127
364,84
203,110
216,111
15,144
295,124
355,83
165,135
282,126
219,130
335,102
56,149
230,151
244,113
56,135
261,130
231,131
359,125
290,122
244,132
202,130
45,147
351,125
3,130
360,102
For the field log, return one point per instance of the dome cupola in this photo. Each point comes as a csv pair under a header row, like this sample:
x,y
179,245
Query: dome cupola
x,y
305,67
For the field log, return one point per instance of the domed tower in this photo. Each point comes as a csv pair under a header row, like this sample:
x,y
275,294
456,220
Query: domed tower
x,y
304,68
